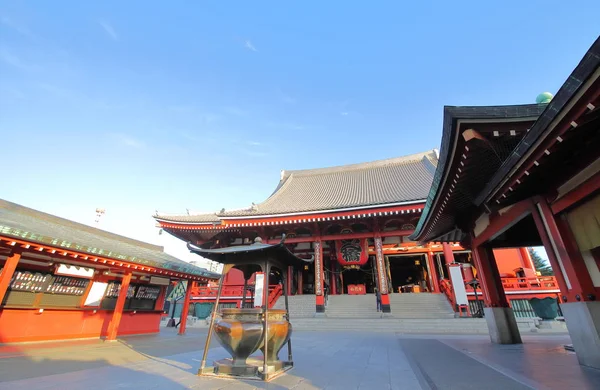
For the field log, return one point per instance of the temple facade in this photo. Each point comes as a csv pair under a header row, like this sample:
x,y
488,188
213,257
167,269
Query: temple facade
x,y
355,222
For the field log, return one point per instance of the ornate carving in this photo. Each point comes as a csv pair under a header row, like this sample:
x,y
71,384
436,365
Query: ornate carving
x,y
383,288
408,226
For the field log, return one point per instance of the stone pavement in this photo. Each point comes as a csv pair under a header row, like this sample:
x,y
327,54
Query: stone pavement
x,y
323,360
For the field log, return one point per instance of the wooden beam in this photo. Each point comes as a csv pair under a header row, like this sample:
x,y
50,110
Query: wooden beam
x,y
501,223
577,194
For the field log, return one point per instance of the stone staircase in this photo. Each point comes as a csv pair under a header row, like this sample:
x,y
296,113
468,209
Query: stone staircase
x,y
352,306
393,325
420,306
301,306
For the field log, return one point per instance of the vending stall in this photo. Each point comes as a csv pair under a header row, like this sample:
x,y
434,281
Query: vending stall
x,y
63,280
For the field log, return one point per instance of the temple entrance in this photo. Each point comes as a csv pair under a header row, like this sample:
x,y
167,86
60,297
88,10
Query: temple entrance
x,y
408,273
358,281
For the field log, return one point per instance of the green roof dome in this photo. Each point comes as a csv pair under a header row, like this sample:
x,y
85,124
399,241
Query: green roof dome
x,y
544,98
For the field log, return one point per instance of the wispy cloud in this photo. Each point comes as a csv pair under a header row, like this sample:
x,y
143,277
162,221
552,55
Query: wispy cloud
x,y
344,113
248,45
10,58
128,141
236,111
8,22
254,143
108,28
285,125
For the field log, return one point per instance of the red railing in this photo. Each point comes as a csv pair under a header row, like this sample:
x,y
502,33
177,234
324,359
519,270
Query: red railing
x,y
236,291
446,288
526,284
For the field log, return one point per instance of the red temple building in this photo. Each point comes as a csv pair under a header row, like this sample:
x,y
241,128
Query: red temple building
x,y
514,176
355,221
64,280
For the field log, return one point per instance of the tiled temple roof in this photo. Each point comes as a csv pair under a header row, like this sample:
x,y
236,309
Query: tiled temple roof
x,y
35,226
377,183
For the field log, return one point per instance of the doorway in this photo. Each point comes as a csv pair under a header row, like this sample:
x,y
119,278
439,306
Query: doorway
x,y
365,275
409,273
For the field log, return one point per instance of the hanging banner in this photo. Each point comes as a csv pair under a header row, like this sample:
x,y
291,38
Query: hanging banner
x,y
318,269
352,253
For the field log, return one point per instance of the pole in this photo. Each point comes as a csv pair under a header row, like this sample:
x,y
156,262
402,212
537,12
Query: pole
x,y
266,319
244,293
212,319
286,281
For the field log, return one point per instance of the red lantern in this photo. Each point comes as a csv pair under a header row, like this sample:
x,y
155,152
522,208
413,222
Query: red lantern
x,y
352,252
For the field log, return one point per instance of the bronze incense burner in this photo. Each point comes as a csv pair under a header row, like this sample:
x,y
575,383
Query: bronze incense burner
x,y
243,331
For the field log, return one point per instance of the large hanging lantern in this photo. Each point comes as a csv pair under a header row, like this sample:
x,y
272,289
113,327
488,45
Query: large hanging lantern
x,y
352,253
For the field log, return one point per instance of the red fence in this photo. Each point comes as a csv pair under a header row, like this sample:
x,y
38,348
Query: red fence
x,y
235,291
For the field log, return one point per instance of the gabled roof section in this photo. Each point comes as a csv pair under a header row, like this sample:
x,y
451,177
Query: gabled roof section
x,y
390,181
387,182
38,227
448,170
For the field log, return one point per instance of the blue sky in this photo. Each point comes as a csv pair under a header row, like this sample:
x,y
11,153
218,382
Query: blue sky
x,y
140,106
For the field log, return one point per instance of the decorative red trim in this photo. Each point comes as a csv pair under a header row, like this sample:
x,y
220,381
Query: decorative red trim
x,y
416,208
577,194
86,258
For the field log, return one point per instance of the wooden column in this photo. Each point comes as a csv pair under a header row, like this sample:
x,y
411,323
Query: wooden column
x,y
300,289
113,326
186,307
333,277
160,301
382,282
526,258
433,272
319,293
448,254
569,267
7,273
489,277
288,285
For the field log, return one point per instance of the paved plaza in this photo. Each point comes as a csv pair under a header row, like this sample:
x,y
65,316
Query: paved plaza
x,y
323,360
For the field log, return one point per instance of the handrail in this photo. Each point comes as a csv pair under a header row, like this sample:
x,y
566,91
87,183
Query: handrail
x,y
526,283
236,290
446,288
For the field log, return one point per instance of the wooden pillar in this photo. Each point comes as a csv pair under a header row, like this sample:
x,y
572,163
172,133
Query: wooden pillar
x,y
113,326
332,276
569,267
499,316
433,272
382,282
288,285
160,301
7,273
526,258
186,307
319,293
300,289
448,254
489,277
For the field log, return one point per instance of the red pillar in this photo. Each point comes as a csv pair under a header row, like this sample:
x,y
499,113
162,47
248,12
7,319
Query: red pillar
x,y
300,283
433,272
186,307
448,254
569,267
160,301
489,277
382,276
8,272
288,285
320,298
332,276
113,326
525,258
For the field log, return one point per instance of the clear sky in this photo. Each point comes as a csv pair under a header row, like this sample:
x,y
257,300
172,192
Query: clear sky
x,y
137,106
